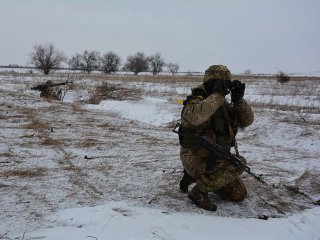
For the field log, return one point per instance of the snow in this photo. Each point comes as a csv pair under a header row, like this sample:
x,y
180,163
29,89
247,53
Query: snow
x,y
127,187
119,220
153,111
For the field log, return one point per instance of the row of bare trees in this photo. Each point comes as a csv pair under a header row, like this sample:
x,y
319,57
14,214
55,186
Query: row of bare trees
x,y
47,57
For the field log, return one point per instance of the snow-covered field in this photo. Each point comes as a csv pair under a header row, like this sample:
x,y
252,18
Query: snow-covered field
x,y
74,170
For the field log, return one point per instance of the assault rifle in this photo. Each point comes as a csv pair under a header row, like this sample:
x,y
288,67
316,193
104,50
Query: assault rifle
x,y
223,153
44,87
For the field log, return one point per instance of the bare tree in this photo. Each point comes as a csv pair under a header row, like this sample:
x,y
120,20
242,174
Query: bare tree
x,y
137,63
247,72
46,57
90,61
75,62
173,68
282,77
156,63
110,62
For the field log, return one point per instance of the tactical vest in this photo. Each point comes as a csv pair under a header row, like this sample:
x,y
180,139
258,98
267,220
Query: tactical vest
x,y
221,127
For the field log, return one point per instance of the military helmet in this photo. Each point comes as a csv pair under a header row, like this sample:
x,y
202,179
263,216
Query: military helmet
x,y
217,72
49,83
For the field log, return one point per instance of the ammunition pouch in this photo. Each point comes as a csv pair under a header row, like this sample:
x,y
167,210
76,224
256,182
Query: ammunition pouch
x,y
202,152
225,141
188,138
211,162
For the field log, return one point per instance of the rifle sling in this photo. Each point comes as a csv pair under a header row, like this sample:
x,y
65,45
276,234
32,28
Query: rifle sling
x,y
231,132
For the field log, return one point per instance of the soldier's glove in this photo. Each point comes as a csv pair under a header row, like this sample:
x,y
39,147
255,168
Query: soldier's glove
x,y
237,89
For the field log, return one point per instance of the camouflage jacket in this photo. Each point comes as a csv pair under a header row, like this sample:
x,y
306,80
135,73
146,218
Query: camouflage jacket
x,y
200,115
51,93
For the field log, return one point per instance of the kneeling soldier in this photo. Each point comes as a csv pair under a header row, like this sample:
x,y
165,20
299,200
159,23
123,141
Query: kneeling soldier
x,y
207,113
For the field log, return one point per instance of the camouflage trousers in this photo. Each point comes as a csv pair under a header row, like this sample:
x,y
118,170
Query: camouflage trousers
x,y
223,179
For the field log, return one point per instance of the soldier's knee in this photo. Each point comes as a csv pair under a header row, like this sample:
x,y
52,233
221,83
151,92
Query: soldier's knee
x,y
240,196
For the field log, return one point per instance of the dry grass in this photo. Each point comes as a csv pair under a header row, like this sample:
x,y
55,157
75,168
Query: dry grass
x,y
150,140
71,86
304,176
36,125
142,78
4,117
25,173
282,77
94,99
88,143
101,168
105,125
171,124
4,186
72,168
296,109
52,142
182,77
8,154
76,107
14,118
107,90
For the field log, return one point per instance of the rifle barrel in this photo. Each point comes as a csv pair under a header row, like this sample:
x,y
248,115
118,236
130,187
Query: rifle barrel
x,y
42,87
59,84
212,146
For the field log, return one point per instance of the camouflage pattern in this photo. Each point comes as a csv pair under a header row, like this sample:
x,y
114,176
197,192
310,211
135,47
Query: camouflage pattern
x,y
199,110
218,72
50,93
244,113
201,199
224,178
234,191
196,114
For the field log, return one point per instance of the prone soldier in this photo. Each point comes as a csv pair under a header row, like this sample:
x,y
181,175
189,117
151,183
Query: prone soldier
x,y
48,90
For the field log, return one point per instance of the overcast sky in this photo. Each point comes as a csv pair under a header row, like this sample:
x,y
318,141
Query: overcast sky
x,y
261,35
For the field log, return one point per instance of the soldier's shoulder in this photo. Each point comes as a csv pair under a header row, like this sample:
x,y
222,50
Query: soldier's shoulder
x,y
192,100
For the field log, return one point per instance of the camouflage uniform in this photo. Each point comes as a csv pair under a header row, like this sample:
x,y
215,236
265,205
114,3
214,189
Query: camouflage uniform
x,y
205,116
49,92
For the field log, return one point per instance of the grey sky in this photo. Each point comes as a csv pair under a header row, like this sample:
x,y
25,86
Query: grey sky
x,y
264,36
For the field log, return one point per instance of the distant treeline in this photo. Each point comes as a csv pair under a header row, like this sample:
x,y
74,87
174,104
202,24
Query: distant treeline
x,y
46,58
14,66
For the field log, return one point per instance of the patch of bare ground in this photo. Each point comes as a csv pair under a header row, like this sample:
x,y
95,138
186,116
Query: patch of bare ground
x,y
89,142
285,107
48,141
77,175
4,186
7,154
25,173
36,125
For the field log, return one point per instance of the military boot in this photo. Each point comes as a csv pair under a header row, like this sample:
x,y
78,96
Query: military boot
x,y
186,181
201,199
